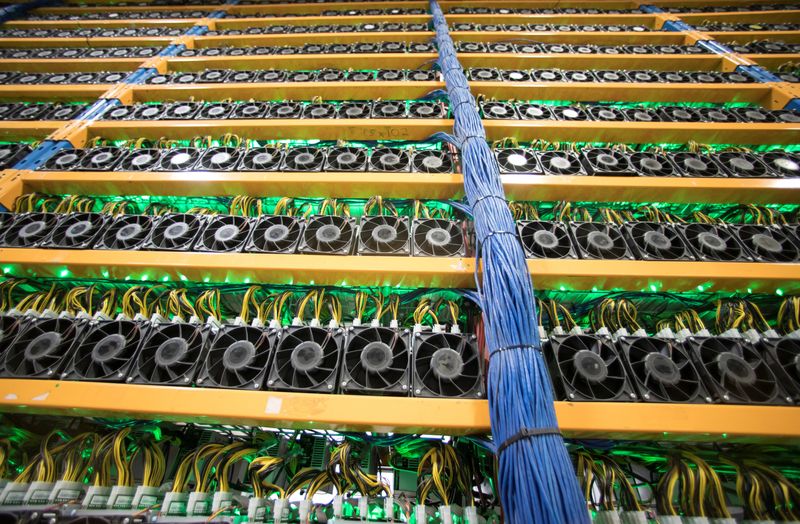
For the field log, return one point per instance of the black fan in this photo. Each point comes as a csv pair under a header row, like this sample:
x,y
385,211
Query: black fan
x,y
485,74
66,112
545,239
64,160
588,368
330,75
782,164
30,229
184,78
11,153
767,244
304,159
742,165
713,242
606,114
9,327
548,75
261,159
319,110
101,158
285,110
182,111
662,370
179,159
301,76
734,372
517,160
578,76
498,110
696,165
391,75
645,77
716,115
149,112
77,231
328,235
275,234
561,163
680,114
570,113
215,111
241,76
706,77
175,232
355,110
346,159
224,233
535,112
105,352
387,159
212,76
446,365
164,79
600,241
651,164
40,348
140,160
432,161
306,359
437,237
515,75
676,77
31,112
237,358
375,361
754,114
361,76
426,110
657,241
219,159
603,162
642,115
783,356
421,75
389,109
127,232
170,355
610,76
384,235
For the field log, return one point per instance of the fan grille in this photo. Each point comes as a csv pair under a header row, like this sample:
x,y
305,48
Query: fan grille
x,y
384,235
170,354
375,360
656,241
435,237
589,368
40,348
327,234
446,365
275,234
545,239
225,233
237,358
600,241
106,351
306,359
662,370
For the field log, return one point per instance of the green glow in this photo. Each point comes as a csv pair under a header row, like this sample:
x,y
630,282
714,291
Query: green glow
x,y
105,273
6,270
145,277
165,279
64,273
779,292
653,287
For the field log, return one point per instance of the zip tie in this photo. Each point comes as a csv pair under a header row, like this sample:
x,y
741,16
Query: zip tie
x,y
526,433
484,197
506,348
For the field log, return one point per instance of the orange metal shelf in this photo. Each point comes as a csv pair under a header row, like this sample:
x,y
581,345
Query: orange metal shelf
x,y
34,130
631,421
56,93
106,24
403,271
597,38
755,17
61,65
349,61
311,38
743,37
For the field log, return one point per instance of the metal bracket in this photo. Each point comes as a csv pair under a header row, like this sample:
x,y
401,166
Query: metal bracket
x,y
714,46
42,154
652,9
676,26
758,73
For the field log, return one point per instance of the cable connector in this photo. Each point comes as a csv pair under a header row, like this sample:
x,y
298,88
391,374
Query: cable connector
x,y
296,321
471,515
239,321
752,335
375,323
633,517
420,514
333,324
439,328
607,517
338,502
363,507
280,511
731,333
770,333
446,514
666,333
455,329
304,510
314,323
257,509
394,324
275,324
356,322
256,323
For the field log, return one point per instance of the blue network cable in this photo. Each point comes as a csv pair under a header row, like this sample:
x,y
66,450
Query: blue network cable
x,y
536,477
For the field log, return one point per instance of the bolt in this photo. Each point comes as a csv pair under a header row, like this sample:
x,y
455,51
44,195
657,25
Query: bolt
x,y
129,380
726,396
270,382
709,400
256,385
200,380
344,383
404,387
330,386
572,395
120,375
186,379
632,395
417,391
647,396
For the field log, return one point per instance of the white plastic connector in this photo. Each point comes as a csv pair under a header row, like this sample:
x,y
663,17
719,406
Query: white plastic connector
x,y
101,317
438,328
558,330
303,510
471,515
759,522
666,333
14,312
356,322
731,333
332,324
199,504
607,517
420,516
577,330
446,514
280,511
82,315
417,328
13,493
121,497
363,508
275,324
542,333
375,322
257,509
683,334
695,520
296,321
394,324
633,517
752,335
455,329
669,519
794,334
221,500
156,318
194,319
96,497
174,503
66,491
388,508
621,332
726,521
239,321
338,501
146,497
639,333
314,322
256,323
603,331
770,333
49,313
703,333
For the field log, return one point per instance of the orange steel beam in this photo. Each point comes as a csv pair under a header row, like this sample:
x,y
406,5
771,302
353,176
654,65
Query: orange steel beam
x,y
85,42
792,37
130,22
34,130
628,421
56,93
772,62
46,65
754,17
599,37
244,23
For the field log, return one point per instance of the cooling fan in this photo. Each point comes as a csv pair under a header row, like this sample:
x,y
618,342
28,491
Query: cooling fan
x,y
734,372
175,232
346,159
306,359
212,76
515,75
712,242
184,78
30,112
304,159
301,76
389,109
578,76
696,165
754,114
215,111
767,244
170,354
498,111
179,159
261,159
375,361
391,75
662,370
105,352
706,77
561,163
77,231
182,111
328,235
645,77
569,113
517,160
11,153
237,358
485,74
391,160
587,368
782,163
241,76
219,159
651,164
101,159
657,241
140,160
606,162
784,115
9,327
275,234
355,110
606,114
438,237
446,365
249,110
65,112
545,239
361,76
432,161
744,165
674,77
319,110
30,229
426,110
64,160
40,348
384,235
224,233
148,112
597,240
716,115
127,232
610,76
535,112
783,356
680,114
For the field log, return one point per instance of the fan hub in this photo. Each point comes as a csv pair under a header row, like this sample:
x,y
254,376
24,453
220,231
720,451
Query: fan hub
x,y
736,368
226,233
238,355
129,231
384,233
216,111
789,117
183,109
446,363
307,356
756,116
101,158
548,75
570,113
662,368
270,76
545,239
262,158
657,240
498,110
376,357
142,159
768,243
711,241
695,165
516,75
673,77
354,111
176,230
708,79
650,165
607,160
389,159
43,345
590,366
600,240
249,109
285,110
304,159
559,163
741,164
328,233
171,351
319,111
276,233
180,159
581,77
534,112
66,160
150,112
78,228
438,236
642,77
424,109
717,116
786,164
432,162
642,116
32,229
346,158
220,158
517,159
607,114
108,348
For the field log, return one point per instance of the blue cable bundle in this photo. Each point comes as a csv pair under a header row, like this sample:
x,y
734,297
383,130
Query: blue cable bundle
x,y
536,477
